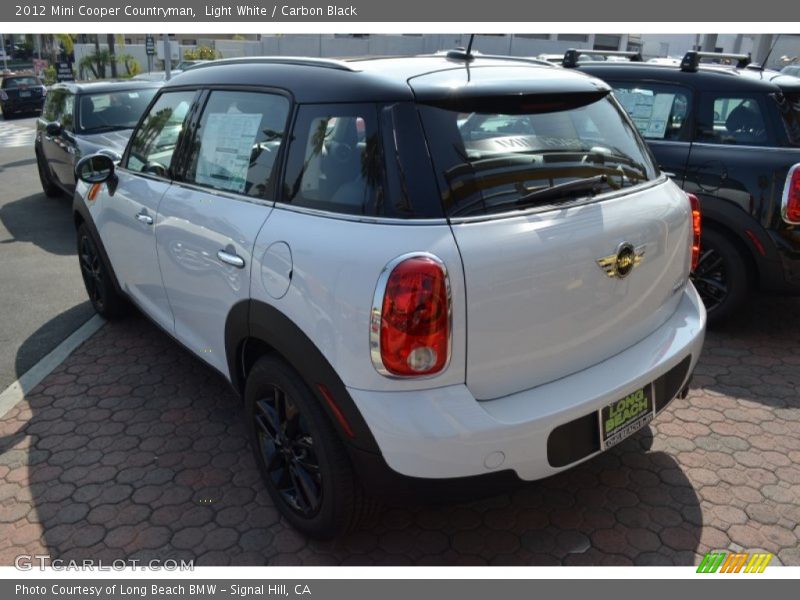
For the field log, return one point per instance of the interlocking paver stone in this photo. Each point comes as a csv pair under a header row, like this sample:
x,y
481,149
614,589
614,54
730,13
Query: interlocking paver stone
x,y
132,448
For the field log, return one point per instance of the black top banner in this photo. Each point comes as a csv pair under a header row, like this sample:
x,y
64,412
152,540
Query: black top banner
x,y
92,11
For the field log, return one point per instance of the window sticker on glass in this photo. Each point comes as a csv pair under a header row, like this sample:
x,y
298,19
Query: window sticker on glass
x,y
650,112
226,147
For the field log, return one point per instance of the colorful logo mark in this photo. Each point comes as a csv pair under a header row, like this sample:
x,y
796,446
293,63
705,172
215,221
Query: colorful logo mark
x,y
727,562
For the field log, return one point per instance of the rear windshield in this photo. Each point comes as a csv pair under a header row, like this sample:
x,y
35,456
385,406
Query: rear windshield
x,y
490,162
789,107
112,110
12,82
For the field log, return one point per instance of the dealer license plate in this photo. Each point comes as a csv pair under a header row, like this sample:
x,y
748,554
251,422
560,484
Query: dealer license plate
x,y
623,417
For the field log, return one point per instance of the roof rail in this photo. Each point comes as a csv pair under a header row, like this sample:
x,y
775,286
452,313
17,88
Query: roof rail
x,y
327,63
571,56
691,60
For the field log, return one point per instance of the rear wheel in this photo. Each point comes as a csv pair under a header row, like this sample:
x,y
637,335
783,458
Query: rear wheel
x,y
304,464
721,276
49,188
105,299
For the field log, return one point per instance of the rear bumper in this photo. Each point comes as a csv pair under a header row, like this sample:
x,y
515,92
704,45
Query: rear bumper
x,y
10,106
445,433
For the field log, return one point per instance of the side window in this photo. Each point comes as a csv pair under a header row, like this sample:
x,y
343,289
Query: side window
x,y
731,119
53,105
335,161
659,111
154,142
67,112
237,142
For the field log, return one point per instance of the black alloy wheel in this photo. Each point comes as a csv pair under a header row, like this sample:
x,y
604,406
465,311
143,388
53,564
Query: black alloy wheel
x,y
288,451
299,452
722,276
97,278
92,272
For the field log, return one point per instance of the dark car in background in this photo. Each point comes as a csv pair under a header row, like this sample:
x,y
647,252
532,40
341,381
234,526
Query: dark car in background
x,y
85,118
21,94
730,134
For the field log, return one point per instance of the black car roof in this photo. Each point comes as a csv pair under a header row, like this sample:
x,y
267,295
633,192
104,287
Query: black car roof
x,y
99,87
719,78
389,79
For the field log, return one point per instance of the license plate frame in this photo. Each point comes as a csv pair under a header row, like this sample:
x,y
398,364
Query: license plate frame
x,y
641,403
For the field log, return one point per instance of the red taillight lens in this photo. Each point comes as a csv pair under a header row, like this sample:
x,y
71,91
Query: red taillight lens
x,y
415,318
791,197
694,202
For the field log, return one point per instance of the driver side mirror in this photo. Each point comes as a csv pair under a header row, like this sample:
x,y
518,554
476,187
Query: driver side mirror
x,y
53,128
95,168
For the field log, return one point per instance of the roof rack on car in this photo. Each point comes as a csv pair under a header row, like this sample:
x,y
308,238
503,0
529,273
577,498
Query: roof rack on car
x,y
571,56
691,60
327,63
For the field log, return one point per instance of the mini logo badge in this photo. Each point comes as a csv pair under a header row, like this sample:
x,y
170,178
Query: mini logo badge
x,y
623,261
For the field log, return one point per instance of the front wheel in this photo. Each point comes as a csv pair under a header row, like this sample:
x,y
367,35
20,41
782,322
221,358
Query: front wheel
x,y
721,276
302,461
105,299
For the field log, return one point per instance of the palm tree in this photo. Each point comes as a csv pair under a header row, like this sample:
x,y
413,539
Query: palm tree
x,y
112,56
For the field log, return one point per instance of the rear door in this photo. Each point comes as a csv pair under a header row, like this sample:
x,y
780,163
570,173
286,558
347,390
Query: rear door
x,y
126,213
557,279
661,113
209,221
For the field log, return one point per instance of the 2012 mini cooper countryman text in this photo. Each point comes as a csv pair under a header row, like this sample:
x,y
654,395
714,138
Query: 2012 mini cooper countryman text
x,y
441,268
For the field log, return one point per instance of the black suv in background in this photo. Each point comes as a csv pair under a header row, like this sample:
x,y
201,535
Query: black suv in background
x,y
729,134
21,93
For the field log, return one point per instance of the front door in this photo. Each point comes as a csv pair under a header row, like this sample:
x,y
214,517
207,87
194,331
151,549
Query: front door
x,y
129,215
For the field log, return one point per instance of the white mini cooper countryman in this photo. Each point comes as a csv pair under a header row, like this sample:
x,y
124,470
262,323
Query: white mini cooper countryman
x,y
445,268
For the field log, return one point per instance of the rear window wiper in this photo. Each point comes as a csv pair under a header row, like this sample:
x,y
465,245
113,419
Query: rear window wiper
x,y
590,185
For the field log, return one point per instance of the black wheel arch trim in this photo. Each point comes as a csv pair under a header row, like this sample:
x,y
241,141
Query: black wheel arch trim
x,y
81,215
255,321
723,216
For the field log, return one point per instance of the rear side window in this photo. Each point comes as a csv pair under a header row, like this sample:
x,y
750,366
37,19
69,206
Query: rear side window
x,y
658,111
154,142
789,108
12,82
731,120
497,156
237,142
335,160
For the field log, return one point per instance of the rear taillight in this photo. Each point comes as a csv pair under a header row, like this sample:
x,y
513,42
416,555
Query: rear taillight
x,y
694,202
791,197
410,327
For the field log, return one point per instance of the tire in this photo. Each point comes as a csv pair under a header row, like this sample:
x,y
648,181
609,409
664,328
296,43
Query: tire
x,y
303,462
97,278
49,188
722,276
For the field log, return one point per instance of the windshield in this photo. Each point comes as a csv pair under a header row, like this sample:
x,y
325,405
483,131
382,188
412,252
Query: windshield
x,y
110,111
789,107
493,162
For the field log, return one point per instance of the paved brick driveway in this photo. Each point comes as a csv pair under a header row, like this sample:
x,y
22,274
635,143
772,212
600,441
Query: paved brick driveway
x,y
132,448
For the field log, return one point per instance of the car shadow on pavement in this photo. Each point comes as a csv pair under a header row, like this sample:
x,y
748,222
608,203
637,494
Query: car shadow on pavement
x,y
47,337
133,449
755,356
41,220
